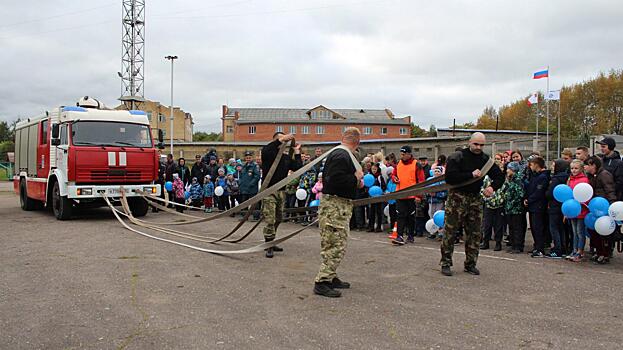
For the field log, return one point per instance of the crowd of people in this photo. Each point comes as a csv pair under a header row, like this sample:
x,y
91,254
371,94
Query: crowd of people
x,y
524,200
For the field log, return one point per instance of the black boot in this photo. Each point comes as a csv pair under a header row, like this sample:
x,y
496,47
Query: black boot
x,y
277,249
325,289
484,245
446,271
269,251
472,270
339,284
498,246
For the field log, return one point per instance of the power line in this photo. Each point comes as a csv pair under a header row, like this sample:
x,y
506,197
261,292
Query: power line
x,y
57,30
56,16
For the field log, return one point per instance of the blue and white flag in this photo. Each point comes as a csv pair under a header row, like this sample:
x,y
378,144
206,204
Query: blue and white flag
x,y
553,95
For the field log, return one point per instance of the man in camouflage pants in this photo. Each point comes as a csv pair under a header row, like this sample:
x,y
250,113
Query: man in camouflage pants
x,y
464,204
341,178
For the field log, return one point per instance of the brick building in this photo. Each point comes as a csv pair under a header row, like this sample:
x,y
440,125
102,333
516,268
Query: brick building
x,y
316,124
158,115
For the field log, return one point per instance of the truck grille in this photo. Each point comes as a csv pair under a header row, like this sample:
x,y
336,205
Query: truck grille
x,y
112,175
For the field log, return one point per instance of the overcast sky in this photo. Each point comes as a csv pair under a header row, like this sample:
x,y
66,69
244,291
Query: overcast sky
x,y
433,60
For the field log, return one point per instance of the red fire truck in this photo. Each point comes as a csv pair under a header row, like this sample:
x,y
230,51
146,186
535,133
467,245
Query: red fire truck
x,y
72,156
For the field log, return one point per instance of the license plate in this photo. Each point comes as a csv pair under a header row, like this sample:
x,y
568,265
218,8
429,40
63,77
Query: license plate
x,y
113,191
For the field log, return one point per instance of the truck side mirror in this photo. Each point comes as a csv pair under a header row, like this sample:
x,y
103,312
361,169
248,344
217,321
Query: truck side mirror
x,y
160,139
54,139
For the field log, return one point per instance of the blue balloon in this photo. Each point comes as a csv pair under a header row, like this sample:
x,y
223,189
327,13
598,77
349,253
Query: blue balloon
x,y
571,208
589,221
368,180
314,203
563,193
168,186
599,206
375,191
439,218
187,194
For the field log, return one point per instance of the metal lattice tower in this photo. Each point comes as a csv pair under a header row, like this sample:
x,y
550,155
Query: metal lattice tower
x,y
133,53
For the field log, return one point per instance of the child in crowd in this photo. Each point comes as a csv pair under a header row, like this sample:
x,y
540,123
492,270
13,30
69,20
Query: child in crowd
x,y
196,193
223,200
537,203
513,191
391,187
376,209
554,209
208,194
233,188
178,191
307,181
290,190
492,217
604,186
317,189
577,224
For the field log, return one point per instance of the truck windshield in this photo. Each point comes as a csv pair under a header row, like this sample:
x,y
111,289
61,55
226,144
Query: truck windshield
x,y
96,133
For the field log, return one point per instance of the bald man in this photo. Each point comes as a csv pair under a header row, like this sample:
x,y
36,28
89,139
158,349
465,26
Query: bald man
x,y
464,204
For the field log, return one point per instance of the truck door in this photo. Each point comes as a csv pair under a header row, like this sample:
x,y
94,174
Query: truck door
x,y
43,150
61,150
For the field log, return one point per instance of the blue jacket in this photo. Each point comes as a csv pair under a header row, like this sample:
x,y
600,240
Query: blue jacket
x,y
560,177
208,189
222,181
196,192
536,190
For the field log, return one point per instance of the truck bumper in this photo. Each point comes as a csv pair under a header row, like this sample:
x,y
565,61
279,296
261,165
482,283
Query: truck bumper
x,y
111,191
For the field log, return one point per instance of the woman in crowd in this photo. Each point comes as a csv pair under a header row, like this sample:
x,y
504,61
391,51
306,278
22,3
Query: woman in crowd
x,y
577,224
376,209
603,186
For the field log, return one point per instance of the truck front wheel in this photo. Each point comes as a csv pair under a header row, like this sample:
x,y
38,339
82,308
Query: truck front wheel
x,y
25,202
138,206
61,205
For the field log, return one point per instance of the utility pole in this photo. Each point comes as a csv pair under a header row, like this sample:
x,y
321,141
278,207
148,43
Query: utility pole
x,y
133,53
172,59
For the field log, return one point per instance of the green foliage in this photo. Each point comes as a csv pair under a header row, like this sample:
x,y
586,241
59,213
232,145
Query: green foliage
x,y
206,137
5,131
6,146
417,131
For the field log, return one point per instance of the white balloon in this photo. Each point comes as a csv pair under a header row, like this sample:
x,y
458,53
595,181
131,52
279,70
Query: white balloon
x,y
582,192
386,210
219,191
605,225
431,227
301,194
616,211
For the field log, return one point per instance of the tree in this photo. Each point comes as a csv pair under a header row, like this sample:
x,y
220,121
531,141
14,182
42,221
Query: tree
x,y
416,131
5,131
207,137
432,131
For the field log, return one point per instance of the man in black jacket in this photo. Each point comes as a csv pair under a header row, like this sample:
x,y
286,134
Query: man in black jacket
x,y
464,204
340,181
272,206
199,170
611,160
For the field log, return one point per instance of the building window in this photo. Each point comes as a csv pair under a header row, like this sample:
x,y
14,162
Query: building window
x,y
321,114
252,129
367,130
403,131
319,129
292,129
149,116
279,128
230,129
305,129
383,131
161,118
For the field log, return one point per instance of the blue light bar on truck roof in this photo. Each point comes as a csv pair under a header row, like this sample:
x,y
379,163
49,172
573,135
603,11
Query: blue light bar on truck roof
x,y
137,112
74,109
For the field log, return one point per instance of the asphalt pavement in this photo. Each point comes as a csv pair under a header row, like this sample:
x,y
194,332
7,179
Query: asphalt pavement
x,y
89,283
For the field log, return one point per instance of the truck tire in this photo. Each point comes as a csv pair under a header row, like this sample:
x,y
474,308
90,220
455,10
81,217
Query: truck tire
x,y
61,205
25,202
138,206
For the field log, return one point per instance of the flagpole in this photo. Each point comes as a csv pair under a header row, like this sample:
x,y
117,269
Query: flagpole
x,y
559,116
547,121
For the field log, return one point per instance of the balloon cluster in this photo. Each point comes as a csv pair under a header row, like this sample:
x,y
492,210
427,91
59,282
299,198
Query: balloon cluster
x,y
602,216
437,222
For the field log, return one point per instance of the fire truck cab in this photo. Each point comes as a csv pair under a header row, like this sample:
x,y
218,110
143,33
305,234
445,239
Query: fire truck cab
x,y
72,156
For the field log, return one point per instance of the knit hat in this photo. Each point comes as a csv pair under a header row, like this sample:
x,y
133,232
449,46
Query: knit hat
x,y
514,166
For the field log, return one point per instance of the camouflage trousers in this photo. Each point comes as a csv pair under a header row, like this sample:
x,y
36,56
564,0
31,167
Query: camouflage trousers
x,y
334,218
272,209
465,209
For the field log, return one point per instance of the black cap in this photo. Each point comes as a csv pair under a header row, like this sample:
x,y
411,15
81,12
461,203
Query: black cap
x,y
248,153
608,141
423,158
405,149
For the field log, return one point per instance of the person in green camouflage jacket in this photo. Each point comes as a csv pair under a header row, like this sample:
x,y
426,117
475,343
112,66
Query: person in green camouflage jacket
x,y
492,216
513,191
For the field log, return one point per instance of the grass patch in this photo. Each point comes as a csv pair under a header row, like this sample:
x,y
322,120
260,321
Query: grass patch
x,y
4,174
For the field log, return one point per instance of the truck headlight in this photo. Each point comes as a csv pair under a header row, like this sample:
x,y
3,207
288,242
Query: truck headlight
x,y
150,190
84,191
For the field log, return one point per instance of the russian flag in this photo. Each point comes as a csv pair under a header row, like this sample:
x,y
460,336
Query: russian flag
x,y
541,74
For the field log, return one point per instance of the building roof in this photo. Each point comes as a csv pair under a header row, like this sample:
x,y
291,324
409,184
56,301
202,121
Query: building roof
x,y
301,115
485,131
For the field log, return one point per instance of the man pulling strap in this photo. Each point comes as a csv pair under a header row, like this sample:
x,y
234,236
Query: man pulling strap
x,y
272,206
341,177
464,204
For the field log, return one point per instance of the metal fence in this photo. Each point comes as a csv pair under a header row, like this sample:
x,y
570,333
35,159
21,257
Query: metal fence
x,y
6,170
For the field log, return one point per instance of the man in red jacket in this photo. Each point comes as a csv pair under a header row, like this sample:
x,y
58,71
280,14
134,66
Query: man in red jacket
x,y
407,173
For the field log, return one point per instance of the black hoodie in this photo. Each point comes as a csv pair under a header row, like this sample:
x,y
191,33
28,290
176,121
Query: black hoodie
x,y
614,165
560,176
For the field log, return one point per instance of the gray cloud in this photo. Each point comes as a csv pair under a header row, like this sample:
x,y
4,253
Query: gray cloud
x,y
432,60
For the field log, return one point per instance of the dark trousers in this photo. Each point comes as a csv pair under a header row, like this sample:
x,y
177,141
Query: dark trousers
x,y
537,226
376,215
516,231
600,243
557,232
492,220
405,210
232,200
392,216
178,207
246,197
223,202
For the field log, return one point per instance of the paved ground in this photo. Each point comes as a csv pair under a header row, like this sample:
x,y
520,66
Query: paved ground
x,y
90,284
